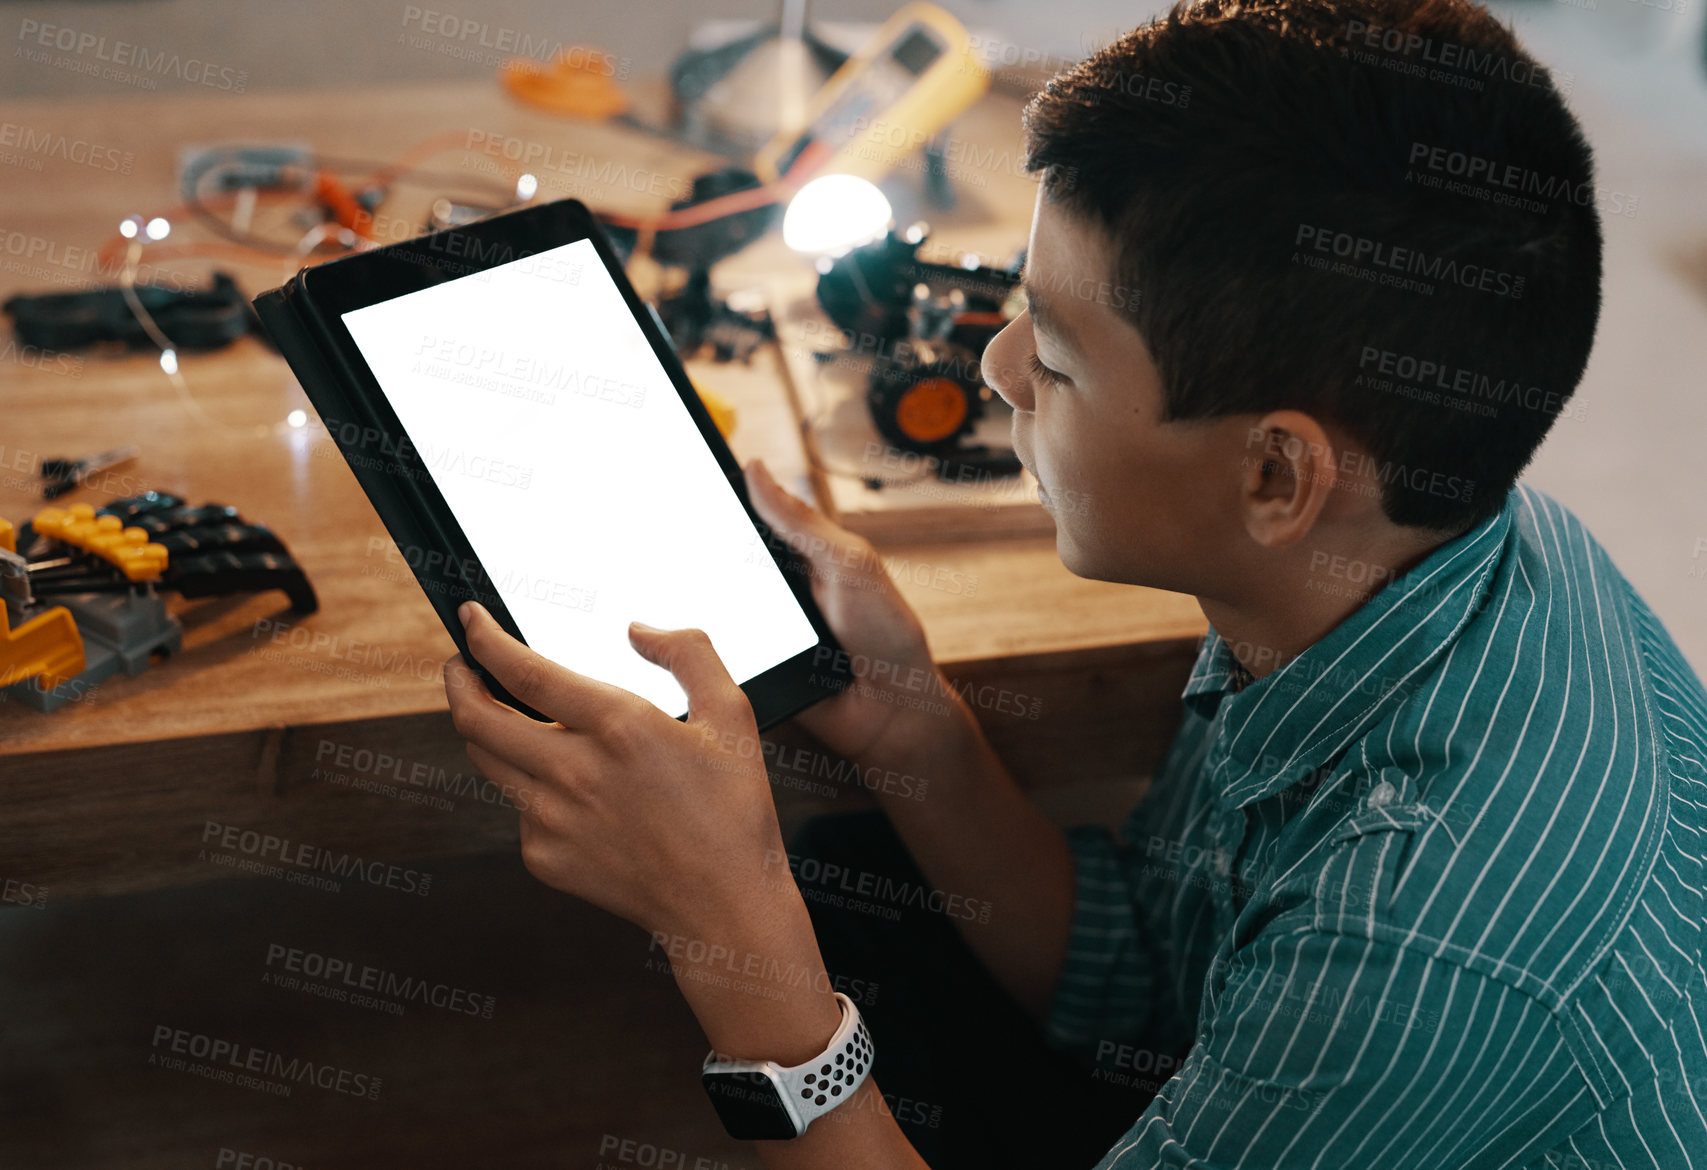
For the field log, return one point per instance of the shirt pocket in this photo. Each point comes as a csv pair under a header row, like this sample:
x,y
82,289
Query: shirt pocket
x,y
1364,853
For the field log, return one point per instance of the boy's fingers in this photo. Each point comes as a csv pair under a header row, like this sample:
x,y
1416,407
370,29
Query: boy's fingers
x,y
574,700
802,526
689,655
498,728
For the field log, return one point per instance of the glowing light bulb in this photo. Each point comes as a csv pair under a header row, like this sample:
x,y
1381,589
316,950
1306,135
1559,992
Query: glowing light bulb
x,y
158,228
833,213
526,186
169,360
127,227
297,418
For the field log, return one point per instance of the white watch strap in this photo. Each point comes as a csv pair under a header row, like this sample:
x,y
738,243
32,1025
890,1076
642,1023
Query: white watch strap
x,y
814,1087
819,1085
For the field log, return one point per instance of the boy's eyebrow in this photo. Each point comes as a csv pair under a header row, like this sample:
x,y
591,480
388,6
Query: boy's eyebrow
x,y
1043,313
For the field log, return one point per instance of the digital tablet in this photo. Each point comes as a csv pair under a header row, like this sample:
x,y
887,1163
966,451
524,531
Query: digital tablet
x,y
528,436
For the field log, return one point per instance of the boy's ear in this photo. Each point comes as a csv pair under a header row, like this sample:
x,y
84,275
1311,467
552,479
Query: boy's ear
x,y
1285,486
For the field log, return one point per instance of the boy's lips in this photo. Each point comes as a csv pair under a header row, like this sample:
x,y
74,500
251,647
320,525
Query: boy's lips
x,y
1042,492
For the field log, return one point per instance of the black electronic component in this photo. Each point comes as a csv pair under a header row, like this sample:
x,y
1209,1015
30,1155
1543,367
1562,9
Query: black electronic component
x,y
193,319
926,325
701,245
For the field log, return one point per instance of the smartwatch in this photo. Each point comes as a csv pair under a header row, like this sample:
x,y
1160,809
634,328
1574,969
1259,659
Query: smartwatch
x,y
759,1100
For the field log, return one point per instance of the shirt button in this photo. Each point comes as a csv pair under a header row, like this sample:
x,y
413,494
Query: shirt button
x,y
1382,795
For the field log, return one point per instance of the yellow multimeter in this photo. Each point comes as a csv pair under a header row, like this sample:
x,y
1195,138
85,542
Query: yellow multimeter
x,y
886,100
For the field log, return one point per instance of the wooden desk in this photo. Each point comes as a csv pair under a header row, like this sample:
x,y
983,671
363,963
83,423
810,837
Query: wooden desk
x,y
114,793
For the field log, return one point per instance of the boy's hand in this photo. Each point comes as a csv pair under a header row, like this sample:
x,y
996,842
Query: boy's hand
x,y
668,825
881,634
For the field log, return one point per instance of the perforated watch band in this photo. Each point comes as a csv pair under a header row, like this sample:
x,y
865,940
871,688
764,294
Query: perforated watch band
x,y
812,1088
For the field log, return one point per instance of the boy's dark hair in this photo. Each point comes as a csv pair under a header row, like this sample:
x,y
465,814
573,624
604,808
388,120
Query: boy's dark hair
x,y
1379,212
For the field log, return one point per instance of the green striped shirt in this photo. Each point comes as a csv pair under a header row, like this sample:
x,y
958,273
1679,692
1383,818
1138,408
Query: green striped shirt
x,y
1429,895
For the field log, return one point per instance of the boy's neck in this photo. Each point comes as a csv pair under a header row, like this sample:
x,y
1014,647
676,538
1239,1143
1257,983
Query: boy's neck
x,y
1306,596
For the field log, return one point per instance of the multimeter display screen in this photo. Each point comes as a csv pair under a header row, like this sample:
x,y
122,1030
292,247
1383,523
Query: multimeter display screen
x,y
916,52
558,440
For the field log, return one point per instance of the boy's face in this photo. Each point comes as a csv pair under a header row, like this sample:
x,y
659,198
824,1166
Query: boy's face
x,y
1135,499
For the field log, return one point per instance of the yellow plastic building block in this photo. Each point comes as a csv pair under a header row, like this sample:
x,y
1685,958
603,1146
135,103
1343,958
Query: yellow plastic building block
x,y
722,411
8,535
105,536
47,647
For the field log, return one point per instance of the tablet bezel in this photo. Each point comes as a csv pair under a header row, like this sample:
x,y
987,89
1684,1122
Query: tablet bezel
x,y
383,274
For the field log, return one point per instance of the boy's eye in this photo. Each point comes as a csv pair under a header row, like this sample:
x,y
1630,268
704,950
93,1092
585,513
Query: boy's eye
x,y
1044,374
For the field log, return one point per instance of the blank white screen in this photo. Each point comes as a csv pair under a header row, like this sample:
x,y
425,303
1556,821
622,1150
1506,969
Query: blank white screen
x,y
576,472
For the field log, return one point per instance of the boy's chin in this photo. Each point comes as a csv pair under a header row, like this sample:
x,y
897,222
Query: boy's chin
x,y
1084,562
1094,564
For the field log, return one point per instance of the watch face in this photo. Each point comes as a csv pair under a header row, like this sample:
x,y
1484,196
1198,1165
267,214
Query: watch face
x,y
749,1104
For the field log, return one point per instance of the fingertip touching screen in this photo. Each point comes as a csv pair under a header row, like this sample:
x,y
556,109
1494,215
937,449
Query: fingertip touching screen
x,y
583,484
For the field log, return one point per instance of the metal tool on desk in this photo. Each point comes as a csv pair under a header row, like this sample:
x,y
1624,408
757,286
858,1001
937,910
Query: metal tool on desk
x,y
64,475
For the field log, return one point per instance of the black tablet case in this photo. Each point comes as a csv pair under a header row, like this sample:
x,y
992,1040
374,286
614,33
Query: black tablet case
x,y
412,511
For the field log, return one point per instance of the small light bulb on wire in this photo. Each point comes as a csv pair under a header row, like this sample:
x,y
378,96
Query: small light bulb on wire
x,y
158,228
834,213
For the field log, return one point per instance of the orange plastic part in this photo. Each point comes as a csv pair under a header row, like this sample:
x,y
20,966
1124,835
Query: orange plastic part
x,y
579,81
105,536
345,208
931,409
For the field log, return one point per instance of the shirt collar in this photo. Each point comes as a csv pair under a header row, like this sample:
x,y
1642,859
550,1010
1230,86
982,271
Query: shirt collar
x,y
1275,730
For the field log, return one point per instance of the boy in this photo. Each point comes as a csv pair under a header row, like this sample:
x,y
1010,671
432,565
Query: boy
x,y
1421,882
